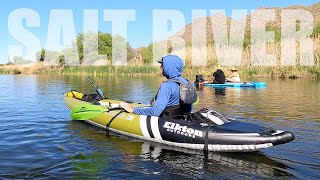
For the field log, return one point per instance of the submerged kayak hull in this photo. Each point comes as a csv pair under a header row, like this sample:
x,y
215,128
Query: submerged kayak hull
x,y
230,136
241,84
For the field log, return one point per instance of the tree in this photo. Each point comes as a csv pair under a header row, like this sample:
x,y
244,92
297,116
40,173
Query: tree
x,y
104,46
53,58
50,58
146,53
18,60
61,60
42,55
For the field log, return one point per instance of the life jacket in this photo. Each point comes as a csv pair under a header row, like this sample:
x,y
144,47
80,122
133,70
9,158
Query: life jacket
x,y
176,111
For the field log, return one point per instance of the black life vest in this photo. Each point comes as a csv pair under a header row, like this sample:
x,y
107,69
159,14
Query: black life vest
x,y
176,111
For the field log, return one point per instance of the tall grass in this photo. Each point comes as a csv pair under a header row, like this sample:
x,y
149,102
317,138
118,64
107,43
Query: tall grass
x,y
246,67
106,70
315,71
10,69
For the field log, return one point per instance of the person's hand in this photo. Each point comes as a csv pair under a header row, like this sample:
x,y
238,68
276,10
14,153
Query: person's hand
x,y
126,107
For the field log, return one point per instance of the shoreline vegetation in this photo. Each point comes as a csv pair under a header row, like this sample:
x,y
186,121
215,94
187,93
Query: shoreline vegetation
x,y
140,60
144,70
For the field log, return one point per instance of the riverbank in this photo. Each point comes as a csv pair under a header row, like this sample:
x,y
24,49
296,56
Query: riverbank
x,y
271,72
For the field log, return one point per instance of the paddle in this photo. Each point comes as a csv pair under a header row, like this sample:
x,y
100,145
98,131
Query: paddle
x,y
98,90
88,111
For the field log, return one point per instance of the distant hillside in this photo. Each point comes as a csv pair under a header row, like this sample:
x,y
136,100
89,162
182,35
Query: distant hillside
x,y
187,33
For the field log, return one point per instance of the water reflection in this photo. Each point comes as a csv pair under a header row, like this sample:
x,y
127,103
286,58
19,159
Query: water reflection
x,y
38,139
220,91
132,155
197,164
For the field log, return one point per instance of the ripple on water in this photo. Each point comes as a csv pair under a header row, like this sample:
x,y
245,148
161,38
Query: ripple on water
x,y
38,139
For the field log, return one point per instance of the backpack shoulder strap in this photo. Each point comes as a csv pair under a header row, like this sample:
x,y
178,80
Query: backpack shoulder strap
x,y
177,81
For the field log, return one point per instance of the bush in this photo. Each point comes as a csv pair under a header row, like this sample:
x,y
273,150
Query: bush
x,y
146,53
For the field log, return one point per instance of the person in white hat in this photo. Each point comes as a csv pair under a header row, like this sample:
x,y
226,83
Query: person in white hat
x,y
234,77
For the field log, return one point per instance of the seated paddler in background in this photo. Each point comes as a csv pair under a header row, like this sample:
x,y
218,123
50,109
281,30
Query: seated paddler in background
x,y
218,76
235,76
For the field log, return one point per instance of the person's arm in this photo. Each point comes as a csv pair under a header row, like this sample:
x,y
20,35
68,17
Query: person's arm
x,y
159,105
126,107
205,82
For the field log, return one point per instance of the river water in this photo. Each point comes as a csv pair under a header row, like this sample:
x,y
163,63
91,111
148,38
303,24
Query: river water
x,y
39,140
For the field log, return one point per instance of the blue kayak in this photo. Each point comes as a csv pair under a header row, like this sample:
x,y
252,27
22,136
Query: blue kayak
x,y
240,84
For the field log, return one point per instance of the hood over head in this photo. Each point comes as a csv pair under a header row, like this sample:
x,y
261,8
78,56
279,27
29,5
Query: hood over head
x,y
172,66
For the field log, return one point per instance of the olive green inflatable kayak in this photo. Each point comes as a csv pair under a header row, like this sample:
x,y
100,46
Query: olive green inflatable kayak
x,y
203,130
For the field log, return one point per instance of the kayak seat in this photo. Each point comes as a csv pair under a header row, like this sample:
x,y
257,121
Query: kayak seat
x,y
204,116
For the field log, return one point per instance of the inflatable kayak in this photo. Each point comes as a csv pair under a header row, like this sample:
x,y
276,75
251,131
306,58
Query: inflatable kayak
x,y
240,84
203,130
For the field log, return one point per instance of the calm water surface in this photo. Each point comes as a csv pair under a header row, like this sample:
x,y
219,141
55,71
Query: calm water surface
x,y
39,140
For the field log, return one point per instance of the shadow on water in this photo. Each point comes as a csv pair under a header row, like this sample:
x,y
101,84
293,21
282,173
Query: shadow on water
x,y
137,158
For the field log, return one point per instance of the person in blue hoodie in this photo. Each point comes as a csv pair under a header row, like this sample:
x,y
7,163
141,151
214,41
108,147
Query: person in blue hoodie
x,y
167,101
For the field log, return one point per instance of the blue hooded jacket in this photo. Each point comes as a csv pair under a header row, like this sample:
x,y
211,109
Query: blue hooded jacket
x,y
169,91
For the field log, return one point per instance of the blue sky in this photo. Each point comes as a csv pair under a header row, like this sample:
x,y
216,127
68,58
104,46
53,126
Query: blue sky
x,y
139,31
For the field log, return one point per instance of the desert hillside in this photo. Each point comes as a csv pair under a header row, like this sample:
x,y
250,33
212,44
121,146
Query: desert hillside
x,y
186,33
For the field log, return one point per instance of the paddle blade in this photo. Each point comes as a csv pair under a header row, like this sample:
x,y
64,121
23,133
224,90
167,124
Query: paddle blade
x,y
86,111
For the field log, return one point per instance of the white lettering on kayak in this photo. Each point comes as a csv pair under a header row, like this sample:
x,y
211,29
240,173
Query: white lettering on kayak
x,y
182,130
130,117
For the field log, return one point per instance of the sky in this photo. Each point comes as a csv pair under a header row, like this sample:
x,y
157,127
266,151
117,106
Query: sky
x,y
139,28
